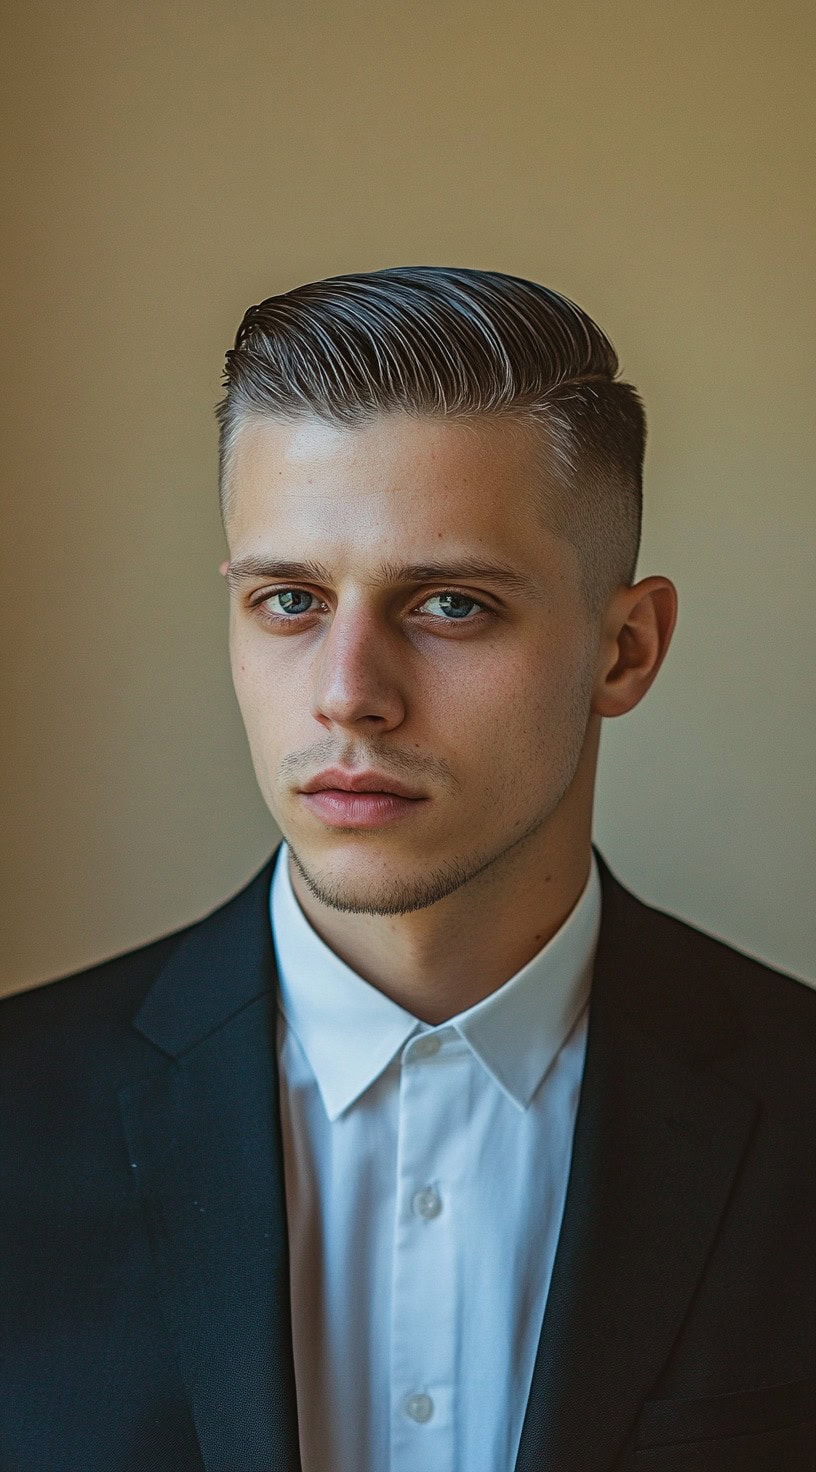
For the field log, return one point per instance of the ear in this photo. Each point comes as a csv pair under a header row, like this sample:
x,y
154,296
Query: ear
x,y
637,629
223,568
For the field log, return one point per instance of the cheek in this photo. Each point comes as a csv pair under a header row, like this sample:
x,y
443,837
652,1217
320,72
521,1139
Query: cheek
x,y
253,692
247,664
546,700
492,719
526,685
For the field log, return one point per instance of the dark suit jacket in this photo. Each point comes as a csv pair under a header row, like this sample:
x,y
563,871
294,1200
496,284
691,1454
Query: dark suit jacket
x,y
145,1289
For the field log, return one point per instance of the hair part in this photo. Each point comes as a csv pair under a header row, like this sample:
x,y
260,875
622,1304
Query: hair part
x,y
460,344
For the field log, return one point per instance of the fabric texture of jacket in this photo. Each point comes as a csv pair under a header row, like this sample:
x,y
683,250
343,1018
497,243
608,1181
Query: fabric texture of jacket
x,y
144,1280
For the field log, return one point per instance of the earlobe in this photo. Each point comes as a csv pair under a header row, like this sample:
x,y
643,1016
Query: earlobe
x,y
619,690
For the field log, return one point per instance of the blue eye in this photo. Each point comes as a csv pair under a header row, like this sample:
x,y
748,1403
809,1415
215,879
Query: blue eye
x,y
457,597
285,593
293,615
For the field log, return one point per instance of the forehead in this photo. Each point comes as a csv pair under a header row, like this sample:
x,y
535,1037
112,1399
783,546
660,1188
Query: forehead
x,y
424,477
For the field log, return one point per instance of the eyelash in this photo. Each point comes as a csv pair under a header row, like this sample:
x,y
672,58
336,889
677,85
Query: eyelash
x,y
277,619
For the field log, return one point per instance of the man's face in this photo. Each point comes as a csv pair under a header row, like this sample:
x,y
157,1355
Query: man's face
x,y
473,694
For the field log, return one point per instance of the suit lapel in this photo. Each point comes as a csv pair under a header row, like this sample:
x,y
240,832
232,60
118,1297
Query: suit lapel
x,y
203,1132
658,1140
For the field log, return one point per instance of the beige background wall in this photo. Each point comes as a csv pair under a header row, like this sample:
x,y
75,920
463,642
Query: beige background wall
x,y
166,165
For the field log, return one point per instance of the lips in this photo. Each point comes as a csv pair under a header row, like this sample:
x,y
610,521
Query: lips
x,y
359,810
336,779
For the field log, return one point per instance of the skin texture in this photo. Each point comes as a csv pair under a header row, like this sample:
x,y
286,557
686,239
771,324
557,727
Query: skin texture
x,y
495,718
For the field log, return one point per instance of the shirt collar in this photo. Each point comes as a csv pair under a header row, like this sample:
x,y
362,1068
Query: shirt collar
x,y
350,1031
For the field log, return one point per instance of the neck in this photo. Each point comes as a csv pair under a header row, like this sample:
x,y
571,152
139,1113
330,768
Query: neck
x,y
438,961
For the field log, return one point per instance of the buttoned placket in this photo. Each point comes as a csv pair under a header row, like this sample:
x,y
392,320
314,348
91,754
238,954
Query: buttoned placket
x,y
425,1311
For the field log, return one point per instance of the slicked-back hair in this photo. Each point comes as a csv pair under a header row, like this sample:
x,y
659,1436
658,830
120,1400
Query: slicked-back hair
x,y
465,345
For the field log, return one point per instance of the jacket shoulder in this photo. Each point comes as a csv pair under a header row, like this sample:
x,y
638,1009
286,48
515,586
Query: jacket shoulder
x,y
760,980
108,992
777,1010
123,973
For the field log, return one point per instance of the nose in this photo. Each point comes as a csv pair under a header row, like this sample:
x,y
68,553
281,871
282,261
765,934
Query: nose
x,y
356,676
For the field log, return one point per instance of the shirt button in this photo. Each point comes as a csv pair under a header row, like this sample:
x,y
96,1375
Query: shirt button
x,y
426,1045
427,1203
419,1407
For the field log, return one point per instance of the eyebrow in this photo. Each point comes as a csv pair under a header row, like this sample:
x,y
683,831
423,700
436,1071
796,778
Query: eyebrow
x,y
390,574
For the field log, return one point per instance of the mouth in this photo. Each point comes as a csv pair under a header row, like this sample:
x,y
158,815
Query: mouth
x,y
338,808
347,779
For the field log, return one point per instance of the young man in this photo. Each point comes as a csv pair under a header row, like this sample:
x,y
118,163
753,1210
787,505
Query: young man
x,y
433,1149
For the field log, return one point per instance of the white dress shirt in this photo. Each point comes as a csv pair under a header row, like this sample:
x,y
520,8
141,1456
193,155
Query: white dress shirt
x,y
426,1171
